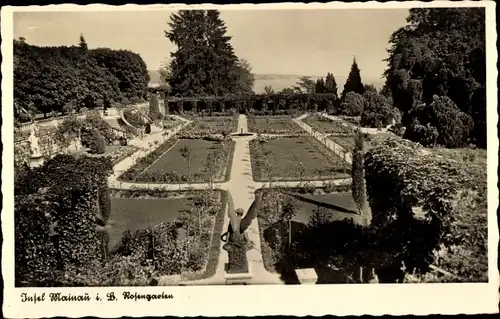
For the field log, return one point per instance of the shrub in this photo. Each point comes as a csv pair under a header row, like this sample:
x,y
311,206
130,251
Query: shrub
x,y
57,200
214,137
105,203
377,111
352,104
93,120
135,119
402,178
453,126
306,188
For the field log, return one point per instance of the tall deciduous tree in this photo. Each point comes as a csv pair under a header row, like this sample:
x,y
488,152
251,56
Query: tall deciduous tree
x,y
46,79
353,83
305,85
127,67
244,76
377,110
352,104
441,51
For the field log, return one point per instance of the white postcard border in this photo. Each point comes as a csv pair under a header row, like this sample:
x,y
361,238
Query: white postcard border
x,y
352,299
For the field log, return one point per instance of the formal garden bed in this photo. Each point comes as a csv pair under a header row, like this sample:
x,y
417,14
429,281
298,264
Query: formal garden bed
x,y
206,125
118,153
296,158
282,124
328,126
351,119
181,228
184,160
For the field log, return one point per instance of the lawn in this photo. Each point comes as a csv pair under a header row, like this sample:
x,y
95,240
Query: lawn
x,y
306,209
329,126
286,154
136,213
272,125
172,163
214,124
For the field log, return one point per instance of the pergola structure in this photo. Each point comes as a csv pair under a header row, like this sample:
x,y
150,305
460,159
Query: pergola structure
x,y
246,102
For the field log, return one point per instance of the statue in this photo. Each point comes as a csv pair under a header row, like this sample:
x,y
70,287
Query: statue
x,y
34,144
78,143
236,239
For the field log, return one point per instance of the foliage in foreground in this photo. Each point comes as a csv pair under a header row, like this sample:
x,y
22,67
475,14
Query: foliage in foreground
x,y
428,210
56,218
402,179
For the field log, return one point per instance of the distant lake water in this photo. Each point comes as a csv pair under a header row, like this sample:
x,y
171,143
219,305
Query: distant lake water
x,y
280,82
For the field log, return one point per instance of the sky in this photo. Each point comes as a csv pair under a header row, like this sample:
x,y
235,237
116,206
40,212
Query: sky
x,y
296,42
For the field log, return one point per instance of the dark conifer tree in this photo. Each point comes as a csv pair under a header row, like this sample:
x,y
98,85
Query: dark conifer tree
x,y
205,62
353,83
331,85
358,172
320,86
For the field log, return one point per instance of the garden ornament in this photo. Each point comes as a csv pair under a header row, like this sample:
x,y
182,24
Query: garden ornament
x,y
236,239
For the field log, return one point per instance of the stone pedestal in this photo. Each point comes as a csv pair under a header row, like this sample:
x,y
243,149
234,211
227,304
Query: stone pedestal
x,y
36,160
238,278
307,276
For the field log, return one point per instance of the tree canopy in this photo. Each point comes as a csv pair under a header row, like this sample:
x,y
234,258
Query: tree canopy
x,y
441,51
52,79
204,62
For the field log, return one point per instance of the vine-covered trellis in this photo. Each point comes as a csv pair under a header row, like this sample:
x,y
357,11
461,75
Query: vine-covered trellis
x,y
277,103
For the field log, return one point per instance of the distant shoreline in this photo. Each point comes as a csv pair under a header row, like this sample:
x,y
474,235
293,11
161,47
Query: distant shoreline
x,y
280,81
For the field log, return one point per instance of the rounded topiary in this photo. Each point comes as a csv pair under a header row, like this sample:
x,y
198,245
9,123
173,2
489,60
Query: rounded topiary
x,y
147,130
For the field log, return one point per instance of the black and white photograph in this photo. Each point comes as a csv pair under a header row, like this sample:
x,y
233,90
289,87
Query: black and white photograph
x,y
153,152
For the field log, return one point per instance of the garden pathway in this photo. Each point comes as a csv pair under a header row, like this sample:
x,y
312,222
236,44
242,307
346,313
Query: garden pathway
x,y
146,145
323,138
367,130
241,187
